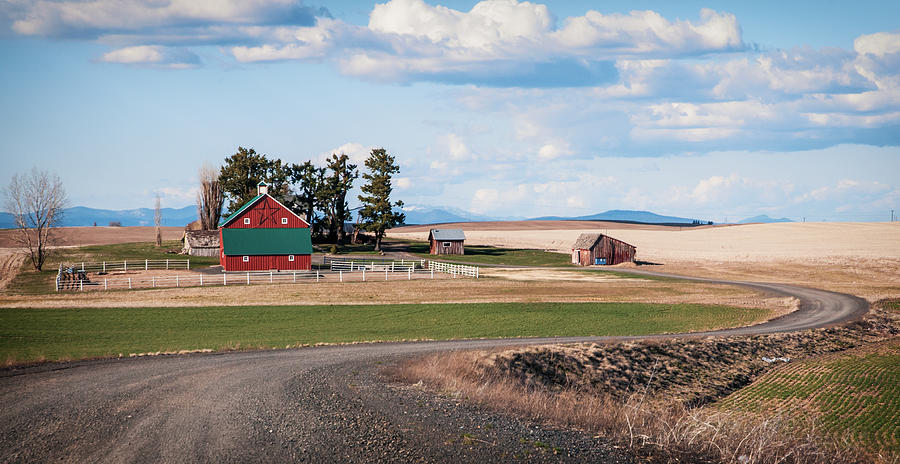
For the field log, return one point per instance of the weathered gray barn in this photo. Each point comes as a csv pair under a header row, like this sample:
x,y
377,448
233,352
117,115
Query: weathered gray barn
x,y
447,241
200,243
593,249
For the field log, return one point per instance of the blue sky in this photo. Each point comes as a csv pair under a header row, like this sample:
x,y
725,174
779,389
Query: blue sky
x,y
712,110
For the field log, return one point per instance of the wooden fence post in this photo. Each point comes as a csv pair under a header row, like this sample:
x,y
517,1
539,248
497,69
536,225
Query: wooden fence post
x,y
153,282
341,275
201,280
125,265
364,273
81,285
167,264
270,277
105,286
176,281
317,276
129,282
224,279
248,278
146,262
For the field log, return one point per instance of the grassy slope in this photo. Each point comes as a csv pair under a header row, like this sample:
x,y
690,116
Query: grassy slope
x,y
492,255
29,281
853,394
38,334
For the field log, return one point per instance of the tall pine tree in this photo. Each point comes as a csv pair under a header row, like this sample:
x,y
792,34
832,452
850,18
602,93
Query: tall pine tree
x,y
377,212
333,194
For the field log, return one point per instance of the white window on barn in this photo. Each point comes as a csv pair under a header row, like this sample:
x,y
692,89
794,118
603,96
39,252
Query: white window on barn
x,y
247,221
290,257
284,220
446,244
246,259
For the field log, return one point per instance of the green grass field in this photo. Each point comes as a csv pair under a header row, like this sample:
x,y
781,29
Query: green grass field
x,y
854,395
29,281
51,334
492,255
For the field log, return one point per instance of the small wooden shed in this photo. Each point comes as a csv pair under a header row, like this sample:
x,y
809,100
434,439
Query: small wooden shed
x,y
200,243
594,249
447,241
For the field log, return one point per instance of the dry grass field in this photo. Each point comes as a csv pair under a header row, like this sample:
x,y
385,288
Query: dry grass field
x,y
858,258
78,236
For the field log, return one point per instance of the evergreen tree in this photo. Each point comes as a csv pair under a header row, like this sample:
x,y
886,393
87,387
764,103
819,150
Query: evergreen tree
x,y
307,198
244,170
378,212
333,194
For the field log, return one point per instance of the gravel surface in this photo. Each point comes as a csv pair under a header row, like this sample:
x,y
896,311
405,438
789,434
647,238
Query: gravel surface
x,y
324,404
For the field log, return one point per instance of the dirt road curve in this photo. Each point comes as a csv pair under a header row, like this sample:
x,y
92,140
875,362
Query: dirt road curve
x,y
327,404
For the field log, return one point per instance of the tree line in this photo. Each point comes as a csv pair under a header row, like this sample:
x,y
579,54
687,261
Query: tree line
x,y
317,193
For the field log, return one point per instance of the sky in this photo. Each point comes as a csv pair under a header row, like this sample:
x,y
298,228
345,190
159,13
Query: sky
x,y
710,110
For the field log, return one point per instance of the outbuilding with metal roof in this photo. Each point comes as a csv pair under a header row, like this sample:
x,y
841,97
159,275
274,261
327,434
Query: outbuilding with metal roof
x,y
447,241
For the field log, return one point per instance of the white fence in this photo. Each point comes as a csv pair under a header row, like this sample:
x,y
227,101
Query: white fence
x,y
73,276
138,264
453,269
244,278
374,265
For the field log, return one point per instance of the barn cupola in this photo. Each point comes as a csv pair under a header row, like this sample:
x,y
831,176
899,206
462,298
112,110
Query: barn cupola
x,y
263,189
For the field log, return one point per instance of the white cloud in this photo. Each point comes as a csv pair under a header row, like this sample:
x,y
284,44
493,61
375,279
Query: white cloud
x,y
647,32
554,150
178,195
357,153
403,183
878,44
152,55
61,18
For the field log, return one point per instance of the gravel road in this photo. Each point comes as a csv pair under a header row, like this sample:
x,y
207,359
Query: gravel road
x,y
323,404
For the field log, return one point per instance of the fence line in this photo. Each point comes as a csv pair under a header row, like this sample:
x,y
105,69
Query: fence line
x,y
245,278
453,269
75,275
373,264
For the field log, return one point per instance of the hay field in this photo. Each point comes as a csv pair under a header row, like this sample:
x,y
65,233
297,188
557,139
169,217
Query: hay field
x,y
100,235
748,243
858,258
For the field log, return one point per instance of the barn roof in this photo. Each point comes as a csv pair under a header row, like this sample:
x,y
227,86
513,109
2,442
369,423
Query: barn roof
x,y
202,238
588,241
447,234
234,215
275,241
240,210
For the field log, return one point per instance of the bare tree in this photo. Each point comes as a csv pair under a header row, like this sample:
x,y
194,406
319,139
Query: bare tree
x,y
36,200
210,197
157,220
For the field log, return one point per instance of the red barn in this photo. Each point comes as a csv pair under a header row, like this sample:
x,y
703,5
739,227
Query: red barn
x,y
264,235
593,249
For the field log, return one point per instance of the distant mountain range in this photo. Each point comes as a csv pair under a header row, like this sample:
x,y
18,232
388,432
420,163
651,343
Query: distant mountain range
x,y
425,214
415,214
622,215
763,219
84,216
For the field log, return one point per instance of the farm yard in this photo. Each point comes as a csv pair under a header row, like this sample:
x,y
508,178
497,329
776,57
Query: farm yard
x,y
520,292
